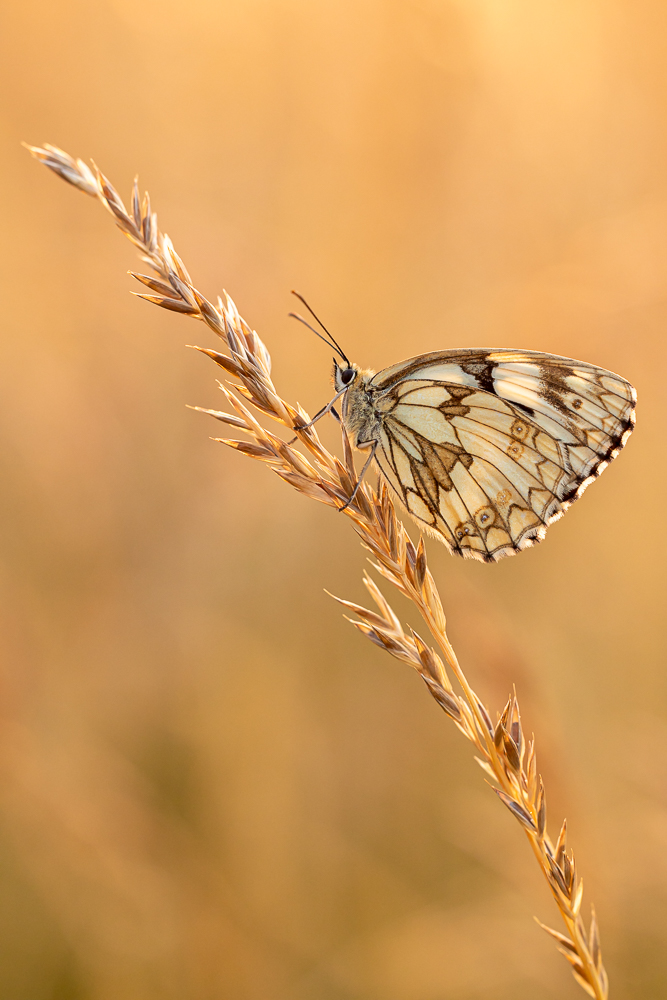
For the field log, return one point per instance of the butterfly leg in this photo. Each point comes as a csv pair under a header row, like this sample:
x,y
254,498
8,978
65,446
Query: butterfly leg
x,y
360,478
320,413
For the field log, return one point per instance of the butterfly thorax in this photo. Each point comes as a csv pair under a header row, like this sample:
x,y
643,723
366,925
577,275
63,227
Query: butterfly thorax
x,y
359,411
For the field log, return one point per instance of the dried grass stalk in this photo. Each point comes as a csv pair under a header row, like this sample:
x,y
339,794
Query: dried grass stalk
x,y
502,750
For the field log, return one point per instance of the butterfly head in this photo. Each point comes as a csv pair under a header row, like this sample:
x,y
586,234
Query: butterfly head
x,y
344,375
352,380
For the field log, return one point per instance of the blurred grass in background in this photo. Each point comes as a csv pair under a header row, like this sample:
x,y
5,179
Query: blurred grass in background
x,y
210,786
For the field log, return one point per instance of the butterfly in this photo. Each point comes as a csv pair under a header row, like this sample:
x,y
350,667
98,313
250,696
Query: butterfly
x,y
485,448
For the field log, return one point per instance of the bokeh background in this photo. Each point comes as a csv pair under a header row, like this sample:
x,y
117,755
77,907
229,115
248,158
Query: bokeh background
x,y
211,786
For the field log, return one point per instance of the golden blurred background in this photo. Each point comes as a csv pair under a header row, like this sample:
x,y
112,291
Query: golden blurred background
x,y
211,786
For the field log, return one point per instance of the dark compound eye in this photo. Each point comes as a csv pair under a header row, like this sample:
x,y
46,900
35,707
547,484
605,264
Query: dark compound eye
x,y
347,375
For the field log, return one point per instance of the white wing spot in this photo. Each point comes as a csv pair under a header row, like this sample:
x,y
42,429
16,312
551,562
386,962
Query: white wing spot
x,y
432,395
428,422
417,507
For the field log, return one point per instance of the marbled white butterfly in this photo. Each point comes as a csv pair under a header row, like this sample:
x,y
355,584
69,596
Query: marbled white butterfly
x,y
486,448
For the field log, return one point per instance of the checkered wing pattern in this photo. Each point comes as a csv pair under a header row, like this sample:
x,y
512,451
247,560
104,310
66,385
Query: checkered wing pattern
x,y
487,448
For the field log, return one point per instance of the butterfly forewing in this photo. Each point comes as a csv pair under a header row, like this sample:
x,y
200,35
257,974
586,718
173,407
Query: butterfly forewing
x,y
486,448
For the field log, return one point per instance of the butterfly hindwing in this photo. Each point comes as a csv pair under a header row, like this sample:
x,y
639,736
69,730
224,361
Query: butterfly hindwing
x,y
487,448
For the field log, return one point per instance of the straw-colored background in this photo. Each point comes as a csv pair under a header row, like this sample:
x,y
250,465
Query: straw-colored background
x,y
211,787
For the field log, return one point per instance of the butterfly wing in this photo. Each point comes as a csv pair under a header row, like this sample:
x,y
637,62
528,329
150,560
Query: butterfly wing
x,y
486,448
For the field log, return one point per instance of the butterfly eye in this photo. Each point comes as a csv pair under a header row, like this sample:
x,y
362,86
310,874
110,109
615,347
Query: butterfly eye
x,y
347,375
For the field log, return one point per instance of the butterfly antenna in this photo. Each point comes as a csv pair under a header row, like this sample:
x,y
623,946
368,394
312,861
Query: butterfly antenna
x,y
332,340
318,334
